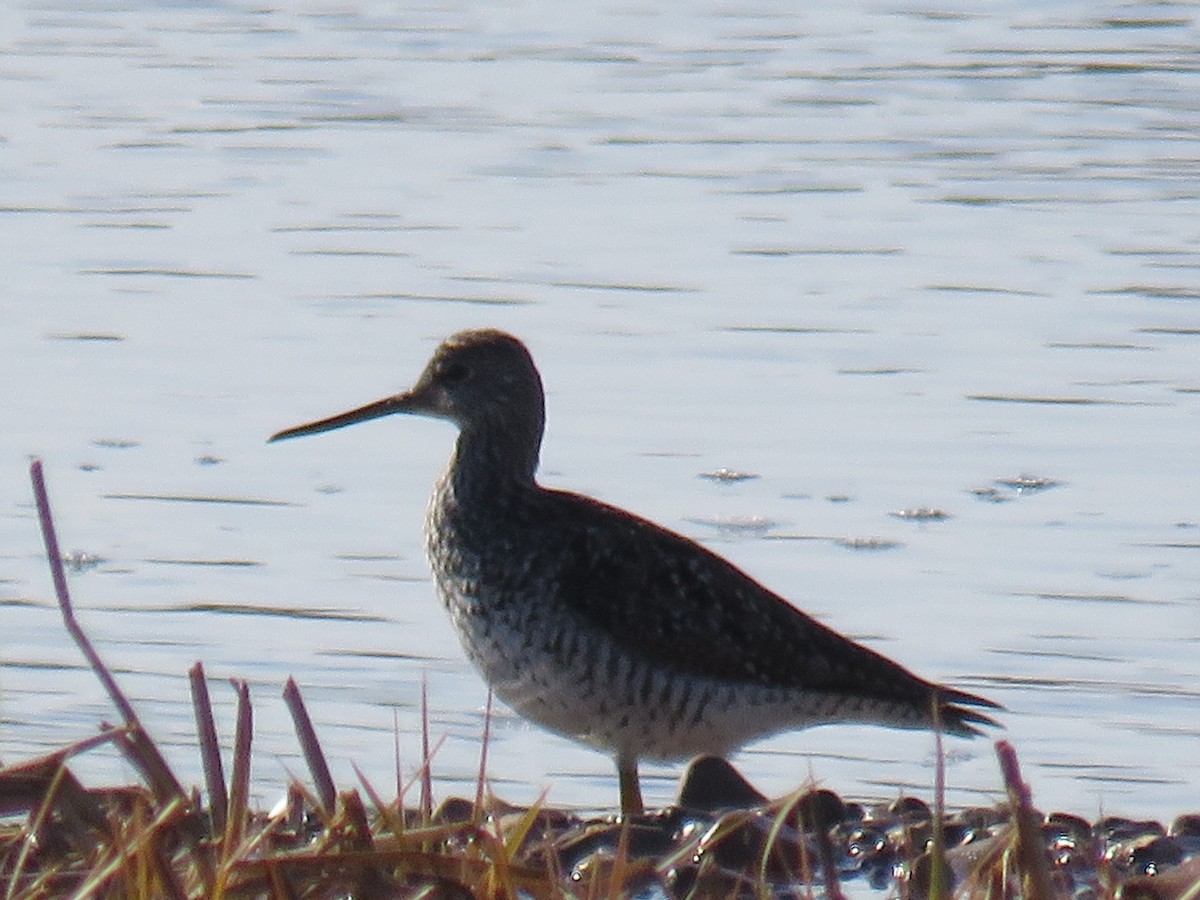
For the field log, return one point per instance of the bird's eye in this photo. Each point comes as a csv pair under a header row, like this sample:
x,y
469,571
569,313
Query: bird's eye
x,y
455,373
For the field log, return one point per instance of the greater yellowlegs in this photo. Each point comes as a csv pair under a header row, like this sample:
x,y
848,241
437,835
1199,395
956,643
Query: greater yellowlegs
x,y
604,627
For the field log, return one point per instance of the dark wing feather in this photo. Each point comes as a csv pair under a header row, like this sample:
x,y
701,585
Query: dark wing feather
x,y
682,605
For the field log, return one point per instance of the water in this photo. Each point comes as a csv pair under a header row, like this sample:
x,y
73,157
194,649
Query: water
x,y
882,256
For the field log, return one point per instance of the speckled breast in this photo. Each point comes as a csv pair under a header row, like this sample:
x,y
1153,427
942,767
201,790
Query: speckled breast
x,y
533,656
553,667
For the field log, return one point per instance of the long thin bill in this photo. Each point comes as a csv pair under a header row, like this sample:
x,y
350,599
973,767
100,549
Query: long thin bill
x,y
385,407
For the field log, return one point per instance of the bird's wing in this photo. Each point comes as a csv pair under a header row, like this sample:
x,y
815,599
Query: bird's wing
x,y
683,606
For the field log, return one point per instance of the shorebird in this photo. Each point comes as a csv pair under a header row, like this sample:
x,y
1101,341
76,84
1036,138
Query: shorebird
x,y
605,627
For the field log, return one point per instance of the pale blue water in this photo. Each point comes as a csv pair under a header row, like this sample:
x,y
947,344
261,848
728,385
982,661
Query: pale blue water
x,y
842,250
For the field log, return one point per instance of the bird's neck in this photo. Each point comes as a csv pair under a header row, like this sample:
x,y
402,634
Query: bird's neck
x,y
492,461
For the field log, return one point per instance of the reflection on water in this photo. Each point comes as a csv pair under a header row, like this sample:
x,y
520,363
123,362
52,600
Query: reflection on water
x,y
893,261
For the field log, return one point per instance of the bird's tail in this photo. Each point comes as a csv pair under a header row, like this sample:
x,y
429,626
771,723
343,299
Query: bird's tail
x,y
955,718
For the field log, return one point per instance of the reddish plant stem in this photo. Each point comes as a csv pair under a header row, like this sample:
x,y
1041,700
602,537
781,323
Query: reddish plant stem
x,y
142,751
313,754
210,748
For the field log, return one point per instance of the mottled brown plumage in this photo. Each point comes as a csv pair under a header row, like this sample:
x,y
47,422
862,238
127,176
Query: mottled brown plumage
x,y
605,627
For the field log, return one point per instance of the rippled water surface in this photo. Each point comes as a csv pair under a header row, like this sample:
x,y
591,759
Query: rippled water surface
x,y
933,277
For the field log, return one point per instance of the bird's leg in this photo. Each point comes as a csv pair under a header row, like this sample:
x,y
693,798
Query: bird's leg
x,y
631,791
